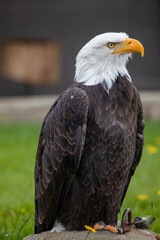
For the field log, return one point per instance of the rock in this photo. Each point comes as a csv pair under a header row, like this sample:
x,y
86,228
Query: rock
x,y
134,234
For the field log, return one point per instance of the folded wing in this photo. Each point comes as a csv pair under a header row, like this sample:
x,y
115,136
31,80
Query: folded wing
x,y
59,153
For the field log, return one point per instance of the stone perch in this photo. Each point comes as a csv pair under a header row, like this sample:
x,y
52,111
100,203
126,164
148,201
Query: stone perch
x,y
134,234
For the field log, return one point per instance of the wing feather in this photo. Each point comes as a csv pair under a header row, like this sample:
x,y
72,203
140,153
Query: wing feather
x,y
59,152
139,145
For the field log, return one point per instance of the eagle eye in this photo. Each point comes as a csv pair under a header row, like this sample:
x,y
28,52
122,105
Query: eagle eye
x,y
111,45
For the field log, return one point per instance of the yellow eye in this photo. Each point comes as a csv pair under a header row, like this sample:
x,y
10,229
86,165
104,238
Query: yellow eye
x,y
111,45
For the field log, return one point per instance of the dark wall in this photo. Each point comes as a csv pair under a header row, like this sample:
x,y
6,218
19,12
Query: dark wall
x,y
73,23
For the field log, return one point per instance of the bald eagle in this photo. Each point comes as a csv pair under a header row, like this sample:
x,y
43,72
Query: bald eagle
x,y
91,140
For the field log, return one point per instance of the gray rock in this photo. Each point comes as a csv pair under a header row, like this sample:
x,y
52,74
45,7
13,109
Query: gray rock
x,y
134,234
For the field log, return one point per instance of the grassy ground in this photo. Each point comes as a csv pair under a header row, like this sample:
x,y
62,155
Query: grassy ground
x,y
18,143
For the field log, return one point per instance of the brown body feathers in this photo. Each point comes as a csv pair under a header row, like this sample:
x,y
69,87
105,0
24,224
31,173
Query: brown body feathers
x,y
89,147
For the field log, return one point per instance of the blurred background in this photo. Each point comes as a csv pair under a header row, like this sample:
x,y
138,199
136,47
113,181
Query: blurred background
x,y
39,41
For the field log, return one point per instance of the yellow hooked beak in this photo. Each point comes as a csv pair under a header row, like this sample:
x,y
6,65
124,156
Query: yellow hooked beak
x,y
129,46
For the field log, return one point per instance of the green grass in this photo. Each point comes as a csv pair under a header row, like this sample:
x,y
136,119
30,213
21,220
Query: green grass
x,y
18,143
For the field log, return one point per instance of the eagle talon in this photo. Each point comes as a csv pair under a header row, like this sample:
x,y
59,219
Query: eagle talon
x,y
99,226
111,229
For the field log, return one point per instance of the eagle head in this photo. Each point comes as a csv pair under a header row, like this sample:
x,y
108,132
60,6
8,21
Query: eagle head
x,y
104,57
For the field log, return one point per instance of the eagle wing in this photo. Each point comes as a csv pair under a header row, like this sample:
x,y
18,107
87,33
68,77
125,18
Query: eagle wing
x,y
59,153
139,145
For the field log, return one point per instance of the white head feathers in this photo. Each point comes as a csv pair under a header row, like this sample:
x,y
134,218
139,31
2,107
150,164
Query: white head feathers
x,y
95,62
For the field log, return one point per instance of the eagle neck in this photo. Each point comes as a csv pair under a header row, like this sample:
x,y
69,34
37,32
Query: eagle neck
x,y
105,72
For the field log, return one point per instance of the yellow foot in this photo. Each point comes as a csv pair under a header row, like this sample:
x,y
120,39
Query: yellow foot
x,y
101,226
111,229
